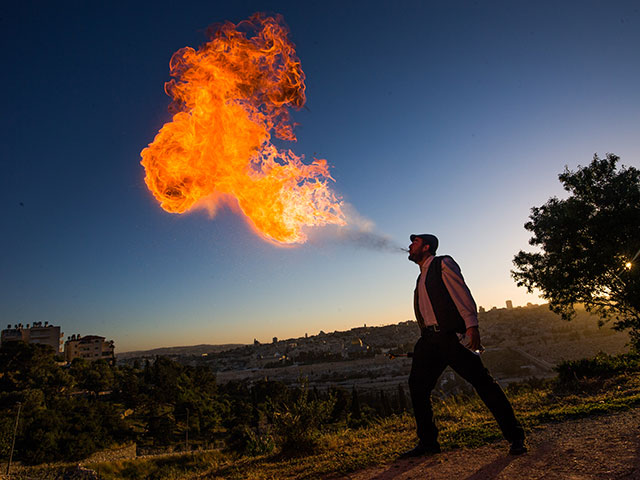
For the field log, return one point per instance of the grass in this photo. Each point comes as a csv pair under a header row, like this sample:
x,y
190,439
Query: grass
x,y
584,388
463,421
175,466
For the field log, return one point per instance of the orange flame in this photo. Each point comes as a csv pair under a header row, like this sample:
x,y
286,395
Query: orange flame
x,y
227,98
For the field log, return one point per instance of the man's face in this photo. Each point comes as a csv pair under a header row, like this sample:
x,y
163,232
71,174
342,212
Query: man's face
x,y
418,250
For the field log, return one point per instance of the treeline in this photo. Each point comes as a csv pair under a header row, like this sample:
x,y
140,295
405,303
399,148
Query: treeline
x,y
68,412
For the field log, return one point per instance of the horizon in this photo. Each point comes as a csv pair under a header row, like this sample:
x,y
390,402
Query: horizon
x,y
304,335
454,119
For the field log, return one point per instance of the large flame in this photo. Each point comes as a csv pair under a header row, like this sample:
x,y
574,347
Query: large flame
x,y
228,97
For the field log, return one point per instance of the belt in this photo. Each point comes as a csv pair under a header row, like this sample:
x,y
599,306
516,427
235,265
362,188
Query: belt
x,y
431,329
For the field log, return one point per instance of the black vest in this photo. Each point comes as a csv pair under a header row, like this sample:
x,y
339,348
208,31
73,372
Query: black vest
x,y
445,310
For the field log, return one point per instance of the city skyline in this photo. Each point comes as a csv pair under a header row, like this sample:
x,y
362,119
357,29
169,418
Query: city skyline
x,y
453,119
72,336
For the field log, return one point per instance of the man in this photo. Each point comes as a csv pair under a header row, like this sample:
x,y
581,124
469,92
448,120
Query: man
x,y
446,314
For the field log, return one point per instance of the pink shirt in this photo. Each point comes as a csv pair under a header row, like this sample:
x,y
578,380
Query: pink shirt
x,y
460,294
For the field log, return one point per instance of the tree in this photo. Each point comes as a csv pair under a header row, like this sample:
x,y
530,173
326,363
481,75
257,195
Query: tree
x,y
385,406
28,365
341,407
355,405
402,399
94,377
589,242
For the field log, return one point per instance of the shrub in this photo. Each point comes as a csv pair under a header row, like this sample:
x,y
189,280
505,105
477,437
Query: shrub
x,y
259,444
601,366
297,424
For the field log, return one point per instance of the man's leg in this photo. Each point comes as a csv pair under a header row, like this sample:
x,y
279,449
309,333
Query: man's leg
x,y
469,366
426,367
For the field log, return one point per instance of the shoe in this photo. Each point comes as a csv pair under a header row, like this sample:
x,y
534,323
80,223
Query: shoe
x,y
420,450
518,447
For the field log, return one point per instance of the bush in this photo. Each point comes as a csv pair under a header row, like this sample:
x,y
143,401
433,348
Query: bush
x,y
297,424
259,444
601,366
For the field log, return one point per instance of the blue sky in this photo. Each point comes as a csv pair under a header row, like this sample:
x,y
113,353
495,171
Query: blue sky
x,y
453,118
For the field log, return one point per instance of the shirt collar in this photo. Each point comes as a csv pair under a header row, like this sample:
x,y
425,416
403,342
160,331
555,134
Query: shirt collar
x,y
425,266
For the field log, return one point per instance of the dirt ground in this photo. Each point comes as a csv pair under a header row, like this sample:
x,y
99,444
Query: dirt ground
x,y
595,448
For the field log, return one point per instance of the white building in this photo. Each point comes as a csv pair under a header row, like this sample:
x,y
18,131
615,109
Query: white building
x,y
89,347
37,333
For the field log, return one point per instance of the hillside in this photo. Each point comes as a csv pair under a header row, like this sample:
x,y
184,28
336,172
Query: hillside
x,y
178,351
544,335
520,343
594,448
533,329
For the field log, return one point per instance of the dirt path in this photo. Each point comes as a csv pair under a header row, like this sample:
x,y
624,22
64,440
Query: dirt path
x,y
596,448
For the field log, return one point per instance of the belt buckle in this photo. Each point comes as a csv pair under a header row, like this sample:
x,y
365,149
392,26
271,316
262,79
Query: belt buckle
x,y
432,328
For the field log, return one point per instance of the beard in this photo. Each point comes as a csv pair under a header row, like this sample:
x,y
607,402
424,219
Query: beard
x,y
415,257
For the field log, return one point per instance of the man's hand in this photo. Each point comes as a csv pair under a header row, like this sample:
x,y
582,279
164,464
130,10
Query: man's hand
x,y
473,334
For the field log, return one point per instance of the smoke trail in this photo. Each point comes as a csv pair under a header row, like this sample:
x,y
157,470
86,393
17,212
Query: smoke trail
x,y
359,232
370,240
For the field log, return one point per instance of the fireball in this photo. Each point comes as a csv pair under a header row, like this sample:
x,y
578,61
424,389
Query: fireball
x,y
229,97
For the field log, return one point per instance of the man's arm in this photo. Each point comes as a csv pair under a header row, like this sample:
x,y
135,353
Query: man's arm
x,y
462,298
460,294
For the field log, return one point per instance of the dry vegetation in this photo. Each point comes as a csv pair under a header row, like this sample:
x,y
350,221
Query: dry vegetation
x,y
583,389
464,422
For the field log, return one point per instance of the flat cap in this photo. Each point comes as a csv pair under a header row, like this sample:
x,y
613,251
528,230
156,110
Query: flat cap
x,y
427,238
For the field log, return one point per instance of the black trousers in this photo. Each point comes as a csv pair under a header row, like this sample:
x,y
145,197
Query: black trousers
x,y
432,354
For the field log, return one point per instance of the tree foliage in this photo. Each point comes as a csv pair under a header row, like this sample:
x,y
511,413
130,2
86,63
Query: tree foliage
x,y
60,417
70,411
587,241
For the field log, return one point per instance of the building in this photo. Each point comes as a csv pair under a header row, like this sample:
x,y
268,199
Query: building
x,y
37,333
46,334
509,304
357,347
89,347
14,334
